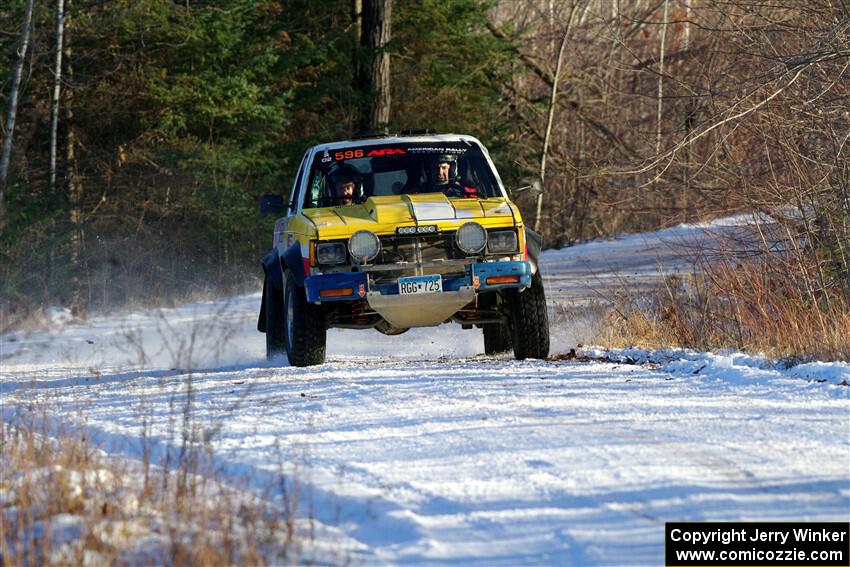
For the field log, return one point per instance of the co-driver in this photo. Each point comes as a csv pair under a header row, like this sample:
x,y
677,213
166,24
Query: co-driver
x,y
444,178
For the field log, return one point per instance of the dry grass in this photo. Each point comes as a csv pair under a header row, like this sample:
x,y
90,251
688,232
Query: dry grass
x,y
750,305
63,502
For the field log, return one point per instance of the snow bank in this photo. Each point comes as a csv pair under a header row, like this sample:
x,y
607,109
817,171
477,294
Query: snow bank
x,y
729,366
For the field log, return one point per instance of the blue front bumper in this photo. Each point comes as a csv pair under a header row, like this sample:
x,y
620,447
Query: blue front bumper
x,y
355,281
475,275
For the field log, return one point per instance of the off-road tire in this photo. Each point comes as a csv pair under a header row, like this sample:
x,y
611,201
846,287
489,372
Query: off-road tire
x,y
304,327
275,329
497,338
530,321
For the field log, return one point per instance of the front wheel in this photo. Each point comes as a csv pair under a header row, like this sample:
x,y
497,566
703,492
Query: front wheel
x,y
530,321
306,335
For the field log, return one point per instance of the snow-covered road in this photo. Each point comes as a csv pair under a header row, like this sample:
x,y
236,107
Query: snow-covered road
x,y
417,449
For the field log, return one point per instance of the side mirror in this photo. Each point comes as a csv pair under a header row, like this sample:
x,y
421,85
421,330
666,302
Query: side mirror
x,y
532,184
272,205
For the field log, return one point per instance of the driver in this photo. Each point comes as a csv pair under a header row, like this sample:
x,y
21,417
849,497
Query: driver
x,y
445,179
347,184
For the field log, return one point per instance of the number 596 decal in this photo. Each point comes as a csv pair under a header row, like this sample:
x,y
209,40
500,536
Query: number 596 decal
x,y
348,154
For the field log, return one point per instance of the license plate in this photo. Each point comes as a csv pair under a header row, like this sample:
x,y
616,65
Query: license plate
x,y
420,284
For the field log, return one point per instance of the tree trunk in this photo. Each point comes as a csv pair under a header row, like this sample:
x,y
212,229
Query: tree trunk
x,y
57,86
553,98
74,187
13,108
54,138
661,81
357,19
357,62
374,75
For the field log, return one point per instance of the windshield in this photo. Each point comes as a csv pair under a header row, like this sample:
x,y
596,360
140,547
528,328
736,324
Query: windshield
x,y
351,175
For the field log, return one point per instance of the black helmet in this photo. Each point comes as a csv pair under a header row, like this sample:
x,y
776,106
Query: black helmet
x,y
440,159
343,173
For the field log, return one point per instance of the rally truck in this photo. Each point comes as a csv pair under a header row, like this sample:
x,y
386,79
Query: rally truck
x,y
394,232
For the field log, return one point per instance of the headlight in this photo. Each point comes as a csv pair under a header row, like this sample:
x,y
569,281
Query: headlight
x,y
330,253
501,242
471,238
364,246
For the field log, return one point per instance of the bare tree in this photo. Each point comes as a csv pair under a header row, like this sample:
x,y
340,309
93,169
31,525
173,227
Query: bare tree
x,y
74,184
13,107
54,127
57,86
551,113
661,79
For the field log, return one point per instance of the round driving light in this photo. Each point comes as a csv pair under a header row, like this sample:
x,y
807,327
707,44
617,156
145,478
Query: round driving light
x,y
471,238
364,246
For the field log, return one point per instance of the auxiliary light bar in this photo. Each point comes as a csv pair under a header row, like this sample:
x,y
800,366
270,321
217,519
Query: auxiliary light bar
x,y
412,230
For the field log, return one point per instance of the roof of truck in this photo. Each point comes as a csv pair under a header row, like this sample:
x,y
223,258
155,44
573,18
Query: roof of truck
x,y
397,139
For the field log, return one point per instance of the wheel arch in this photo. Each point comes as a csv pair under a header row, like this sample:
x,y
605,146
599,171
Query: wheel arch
x,y
295,263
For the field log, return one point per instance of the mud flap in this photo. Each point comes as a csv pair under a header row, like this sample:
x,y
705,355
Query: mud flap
x,y
534,242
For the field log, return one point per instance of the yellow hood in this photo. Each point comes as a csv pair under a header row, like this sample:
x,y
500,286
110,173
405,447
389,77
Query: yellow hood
x,y
384,213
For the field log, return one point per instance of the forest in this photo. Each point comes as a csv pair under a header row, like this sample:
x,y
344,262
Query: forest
x,y
139,135
688,361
